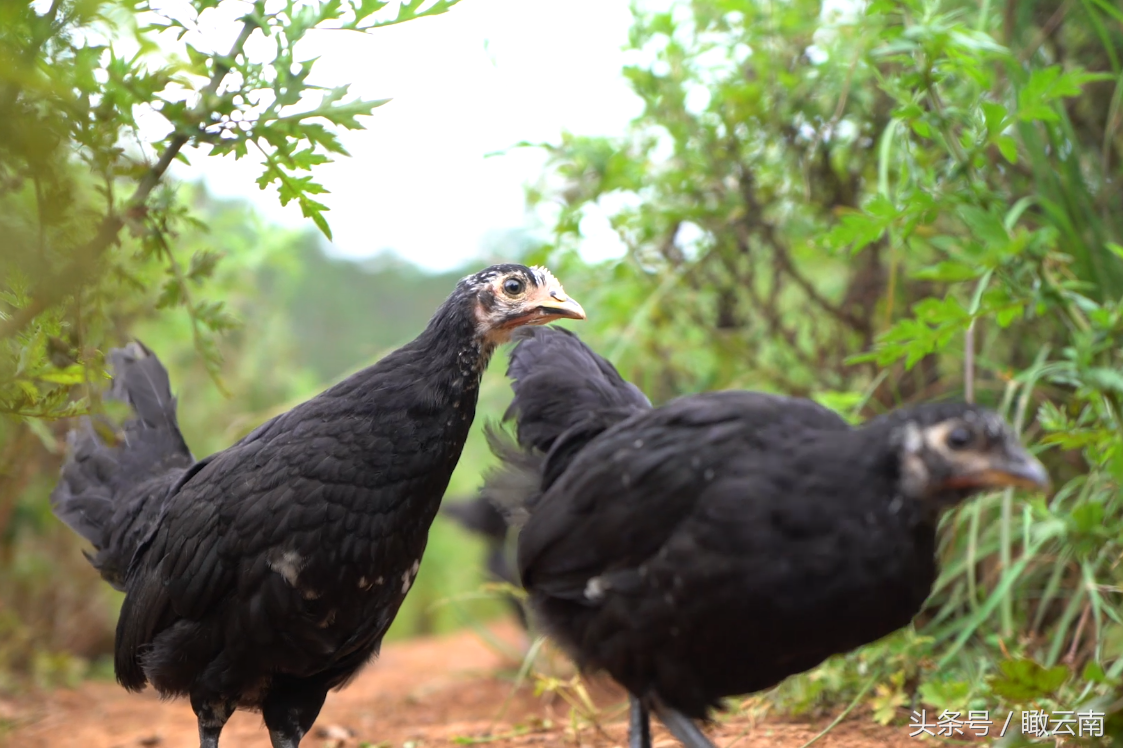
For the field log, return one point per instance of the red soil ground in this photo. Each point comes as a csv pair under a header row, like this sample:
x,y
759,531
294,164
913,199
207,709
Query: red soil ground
x,y
424,693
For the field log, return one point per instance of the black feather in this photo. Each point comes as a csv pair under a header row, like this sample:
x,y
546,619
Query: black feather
x,y
478,515
267,574
559,382
114,481
565,395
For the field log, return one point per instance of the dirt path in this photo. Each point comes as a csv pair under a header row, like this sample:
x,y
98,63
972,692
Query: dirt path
x,y
425,693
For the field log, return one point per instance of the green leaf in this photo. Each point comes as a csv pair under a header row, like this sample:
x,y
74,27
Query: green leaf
x,y
197,59
307,158
945,694
407,11
886,702
859,229
1103,379
842,403
984,225
30,391
322,224
1088,518
995,117
1094,673
1023,681
364,8
855,230
213,314
74,374
1007,315
1008,147
947,309
882,207
948,272
921,128
170,295
1046,85
909,112
203,265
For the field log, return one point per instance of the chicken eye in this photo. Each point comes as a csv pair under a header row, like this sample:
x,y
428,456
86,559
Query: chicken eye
x,y
959,437
513,286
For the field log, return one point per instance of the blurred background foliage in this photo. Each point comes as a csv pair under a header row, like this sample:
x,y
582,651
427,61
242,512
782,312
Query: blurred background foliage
x,y
870,204
877,204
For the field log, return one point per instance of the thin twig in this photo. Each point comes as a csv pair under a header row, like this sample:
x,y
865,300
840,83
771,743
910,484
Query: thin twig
x,y
1070,658
821,133
1006,604
1114,116
952,142
1046,31
969,363
869,684
751,717
520,678
768,232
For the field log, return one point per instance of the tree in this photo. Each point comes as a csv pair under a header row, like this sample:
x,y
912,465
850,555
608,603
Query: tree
x,y
887,203
87,216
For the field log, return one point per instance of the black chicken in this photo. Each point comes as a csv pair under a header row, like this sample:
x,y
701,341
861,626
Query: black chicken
x,y
573,394
724,541
267,574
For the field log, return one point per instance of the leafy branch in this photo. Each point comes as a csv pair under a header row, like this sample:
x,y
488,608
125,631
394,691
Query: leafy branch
x,y
58,286
70,142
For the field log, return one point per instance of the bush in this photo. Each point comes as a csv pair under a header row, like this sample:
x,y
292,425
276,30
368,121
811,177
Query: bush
x,y
879,205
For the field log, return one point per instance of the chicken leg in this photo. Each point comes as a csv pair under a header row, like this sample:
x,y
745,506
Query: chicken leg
x,y
290,709
212,716
681,726
639,724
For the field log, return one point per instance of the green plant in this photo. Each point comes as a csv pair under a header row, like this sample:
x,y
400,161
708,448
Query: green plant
x,y
878,205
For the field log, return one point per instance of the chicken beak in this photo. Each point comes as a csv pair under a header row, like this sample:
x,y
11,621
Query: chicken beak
x,y
1020,470
561,306
1017,468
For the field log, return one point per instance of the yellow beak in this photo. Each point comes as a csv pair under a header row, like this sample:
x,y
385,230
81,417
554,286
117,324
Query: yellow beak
x,y
560,305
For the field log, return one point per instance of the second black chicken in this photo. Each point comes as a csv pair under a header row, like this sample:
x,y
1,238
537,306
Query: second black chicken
x,y
724,541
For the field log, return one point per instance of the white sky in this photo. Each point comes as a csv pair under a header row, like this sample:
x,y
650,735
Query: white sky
x,y
478,79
